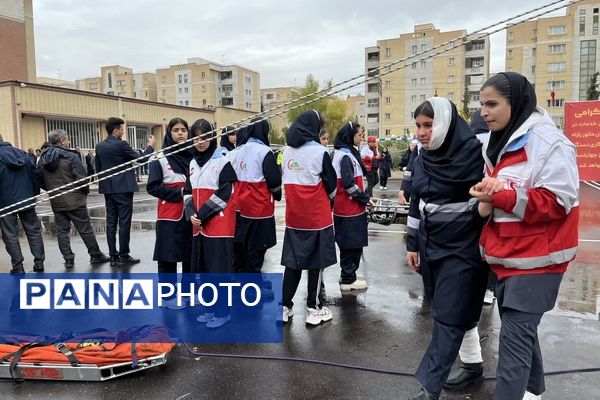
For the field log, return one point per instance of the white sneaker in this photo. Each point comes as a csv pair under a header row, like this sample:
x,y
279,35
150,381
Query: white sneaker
x,y
380,187
316,316
204,318
217,322
287,314
356,285
385,188
531,396
489,297
172,304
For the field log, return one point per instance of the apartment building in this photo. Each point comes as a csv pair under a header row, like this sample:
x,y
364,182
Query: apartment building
x,y
16,41
117,80
206,84
559,55
437,64
271,98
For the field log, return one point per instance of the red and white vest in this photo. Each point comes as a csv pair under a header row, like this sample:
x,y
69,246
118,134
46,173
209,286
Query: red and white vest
x,y
255,198
345,205
304,189
205,181
169,210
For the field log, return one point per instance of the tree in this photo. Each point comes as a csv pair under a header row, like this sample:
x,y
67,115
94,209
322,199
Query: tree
x,y
593,93
311,86
276,137
465,108
335,116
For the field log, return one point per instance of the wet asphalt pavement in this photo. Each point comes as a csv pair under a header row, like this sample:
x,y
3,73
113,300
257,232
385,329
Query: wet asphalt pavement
x,y
384,327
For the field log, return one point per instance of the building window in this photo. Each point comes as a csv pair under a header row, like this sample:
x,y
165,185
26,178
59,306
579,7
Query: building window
x,y
388,132
479,46
474,96
412,114
187,103
423,47
109,76
164,92
582,11
581,26
476,79
180,79
423,63
203,75
557,30
249,80
557,48
556,67
556,85
533,51
163,79
269,96
413,98
533,69
180,102
510,36
509,53
450,78
388,115
185,77
388,84
388,51
120,84
422,97
413,82
185,90
134,94
587,66
388,100
372,103
203,102
555,103
81,133
414,49
373,132
373,88
180,90
451,44
423,80
451,61
93,86
451,96
477,62
595,25
414,65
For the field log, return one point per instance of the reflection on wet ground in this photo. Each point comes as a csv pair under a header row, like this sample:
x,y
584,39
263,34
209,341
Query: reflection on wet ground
x,y
579,293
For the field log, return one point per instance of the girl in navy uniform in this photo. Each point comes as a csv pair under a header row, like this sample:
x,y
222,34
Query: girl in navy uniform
x,y
309,241
166,181
349,210
211,180
443,232
260,185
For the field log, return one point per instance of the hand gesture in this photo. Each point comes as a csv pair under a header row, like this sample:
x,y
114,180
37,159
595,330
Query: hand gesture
x,y
412,257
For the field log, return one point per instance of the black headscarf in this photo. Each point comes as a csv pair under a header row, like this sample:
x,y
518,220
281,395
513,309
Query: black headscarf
x,y
241,136
201,128
458,159
522,104
258,130
225,143
179,162
345,138
477,123
304,129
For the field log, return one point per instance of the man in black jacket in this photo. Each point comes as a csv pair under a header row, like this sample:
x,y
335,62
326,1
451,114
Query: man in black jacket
x,y
59,167
19,181
118,190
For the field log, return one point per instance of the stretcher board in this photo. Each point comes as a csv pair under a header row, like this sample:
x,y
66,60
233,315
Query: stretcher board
x,y
83,372
387,212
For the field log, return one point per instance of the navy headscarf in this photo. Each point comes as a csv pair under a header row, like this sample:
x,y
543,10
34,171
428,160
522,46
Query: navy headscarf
x,y
304,129
225,143
458,159
258,130
201,128
179,162
522,104
345,138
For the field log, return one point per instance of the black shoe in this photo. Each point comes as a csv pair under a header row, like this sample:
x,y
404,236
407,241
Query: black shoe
x,y
114,261
99,258
38,268
466,375
70,263
424,395
18,271
128,260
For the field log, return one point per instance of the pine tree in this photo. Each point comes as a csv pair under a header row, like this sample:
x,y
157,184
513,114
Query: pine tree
x,y
593,93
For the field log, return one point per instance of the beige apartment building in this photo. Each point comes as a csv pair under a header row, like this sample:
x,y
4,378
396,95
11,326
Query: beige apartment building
x,y
206,84
121,81
271,98
557,54
16,40
355,109
391,98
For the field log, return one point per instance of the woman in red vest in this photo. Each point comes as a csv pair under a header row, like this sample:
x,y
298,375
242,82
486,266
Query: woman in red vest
x,y
349,210
166,181
211,180
309,242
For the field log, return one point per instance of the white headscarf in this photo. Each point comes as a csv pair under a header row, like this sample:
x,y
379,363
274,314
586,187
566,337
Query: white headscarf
x,y
442,117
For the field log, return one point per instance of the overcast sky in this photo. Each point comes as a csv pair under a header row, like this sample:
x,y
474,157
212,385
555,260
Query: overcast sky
x,y
283,40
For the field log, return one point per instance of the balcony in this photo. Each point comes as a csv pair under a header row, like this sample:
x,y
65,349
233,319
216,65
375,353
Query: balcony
x,y
475,70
